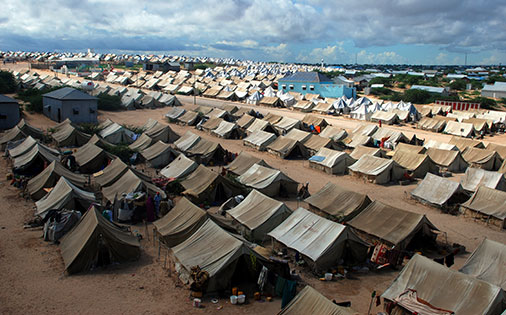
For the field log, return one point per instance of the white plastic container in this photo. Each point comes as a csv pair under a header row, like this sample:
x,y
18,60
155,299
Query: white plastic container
x,y
328,276
241,299
196,302
233,299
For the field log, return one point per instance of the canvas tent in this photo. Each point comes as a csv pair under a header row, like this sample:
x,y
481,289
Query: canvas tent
x,y
322,242
227,130
180,223
482,158
214,251
112,172
117,134
49,177
95,241
431,124
68,136
310,301
337,203
32,161
141,143
437,191
174,113
316,143
91,158
159,154
180,167
488,202
334,133
258,214
245,121
189,118
459,129
64,195
462,143
188,140
287,148
206,152
387,118
128,183
500,149
286,124
23,146
29,130
418,164
442,288
377,170
268,181
259,140
243,162
260,125
476,177
159,132
311,122
331,161
205,185
363,150
487,263
394,226
448,159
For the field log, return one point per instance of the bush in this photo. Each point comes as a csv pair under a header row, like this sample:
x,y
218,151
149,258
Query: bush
x,y
89,128
458,85
109,102
381,91
379,80
7,82
121,150
34,98
485,103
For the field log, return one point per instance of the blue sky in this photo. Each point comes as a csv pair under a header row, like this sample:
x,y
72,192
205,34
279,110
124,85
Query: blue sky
x,y
372,31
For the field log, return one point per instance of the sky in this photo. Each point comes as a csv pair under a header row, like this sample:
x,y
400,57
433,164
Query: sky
x,y
339,32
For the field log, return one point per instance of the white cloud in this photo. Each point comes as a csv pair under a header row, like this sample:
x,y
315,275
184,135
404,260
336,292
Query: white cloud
x,y
386,57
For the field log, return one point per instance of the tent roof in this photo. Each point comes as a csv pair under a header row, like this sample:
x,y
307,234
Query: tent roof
x,y
310,234
371,165
337,201
310,301
181,222
156,150
188,140
47,154
390,224
479,156
179,167
442,157
487,263
54,169
23,147
260,138
463,143
256,209
67,135
446,288
332,157
62,193
199,180
245,121
261,177
488,201
243,162
87,153
129,182
436,190
409,160
333,133
299,135
475,177
363,150
224,128
81,243
141,143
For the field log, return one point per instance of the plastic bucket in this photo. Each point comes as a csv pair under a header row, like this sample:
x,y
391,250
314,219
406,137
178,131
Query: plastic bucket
x,y
233,299
241,298
328,276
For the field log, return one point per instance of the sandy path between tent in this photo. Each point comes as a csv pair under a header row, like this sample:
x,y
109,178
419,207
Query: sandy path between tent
x,y
35,270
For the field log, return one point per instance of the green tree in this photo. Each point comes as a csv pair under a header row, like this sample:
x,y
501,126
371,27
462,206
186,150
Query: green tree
x,y
7,82
109,102
458,85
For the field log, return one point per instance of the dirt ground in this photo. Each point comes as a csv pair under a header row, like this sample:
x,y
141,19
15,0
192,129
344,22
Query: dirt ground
x,y
32,269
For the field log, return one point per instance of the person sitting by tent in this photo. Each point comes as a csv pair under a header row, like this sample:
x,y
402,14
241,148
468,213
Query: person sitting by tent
x,y
304,191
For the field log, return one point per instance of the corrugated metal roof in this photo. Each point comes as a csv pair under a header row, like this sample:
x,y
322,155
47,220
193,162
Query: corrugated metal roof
x,y
432,89
496,87
314,77
6,99
68,93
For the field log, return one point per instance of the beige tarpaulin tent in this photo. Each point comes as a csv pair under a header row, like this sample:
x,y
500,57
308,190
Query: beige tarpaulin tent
x,y
188,140
64,195
476,177
99,142
271,101
83,247
211,124
480,125
462,143
394,136
11,135
314,120
363,150
331,161
418,164
285,147
226,130
179,168
35,158
204,185
26,145
244,162
91,158
206,152
377,170
310,301
68,136
432,124
261,125
286,124
355,140
322,241
117,134
365,129
299,135
459,129
259,140
130,182
112,172
180,223
316,143
440,145
189,118
258,214
444,288
395,226
500,149
482,158
29,130
448,159
304,106
416,149
488,263
174,113
214,251
488,201
334,133
271,182
49,177
387,118
159,154
436,190
141,143
337,203
245,121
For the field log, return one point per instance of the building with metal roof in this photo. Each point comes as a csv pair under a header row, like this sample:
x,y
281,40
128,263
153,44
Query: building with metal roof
x,y
496,90
431,89
9,112
315,83
70,103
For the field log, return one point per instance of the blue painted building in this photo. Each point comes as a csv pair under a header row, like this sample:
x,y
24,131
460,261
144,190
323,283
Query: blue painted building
x,y
315,83
70,103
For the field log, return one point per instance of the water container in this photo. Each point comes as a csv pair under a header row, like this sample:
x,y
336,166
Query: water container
x,y
328,276
196,303
233,299
241,299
